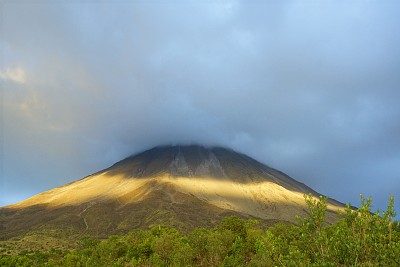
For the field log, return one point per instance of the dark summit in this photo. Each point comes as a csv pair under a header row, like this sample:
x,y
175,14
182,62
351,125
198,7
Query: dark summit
x,y
201,161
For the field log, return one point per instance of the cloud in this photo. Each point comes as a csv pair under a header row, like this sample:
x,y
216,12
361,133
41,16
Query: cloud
x,y
16,75
308,88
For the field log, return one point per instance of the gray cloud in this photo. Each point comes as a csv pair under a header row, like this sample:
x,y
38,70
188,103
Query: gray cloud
x,y
308,88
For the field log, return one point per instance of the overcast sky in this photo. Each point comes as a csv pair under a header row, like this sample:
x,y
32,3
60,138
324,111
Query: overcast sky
x,y
311,88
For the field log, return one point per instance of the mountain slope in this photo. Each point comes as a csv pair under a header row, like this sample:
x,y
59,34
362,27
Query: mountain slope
x,y
181,186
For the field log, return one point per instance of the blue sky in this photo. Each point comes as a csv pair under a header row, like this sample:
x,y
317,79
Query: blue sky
x,y
311,88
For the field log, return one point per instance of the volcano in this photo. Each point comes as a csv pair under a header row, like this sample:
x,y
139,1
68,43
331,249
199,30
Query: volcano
x,y
180,186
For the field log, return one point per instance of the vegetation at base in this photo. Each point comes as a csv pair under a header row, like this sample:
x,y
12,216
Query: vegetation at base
x,y
359,238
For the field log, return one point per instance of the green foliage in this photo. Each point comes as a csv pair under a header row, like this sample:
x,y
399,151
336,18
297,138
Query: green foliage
x,y
317,210
359,238
236,225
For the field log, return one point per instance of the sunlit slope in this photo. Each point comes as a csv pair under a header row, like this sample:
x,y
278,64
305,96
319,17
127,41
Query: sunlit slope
x,y
266,200
181,186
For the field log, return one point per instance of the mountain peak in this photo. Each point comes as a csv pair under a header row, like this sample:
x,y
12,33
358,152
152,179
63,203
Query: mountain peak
x,y
190,185
175,161
197,161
